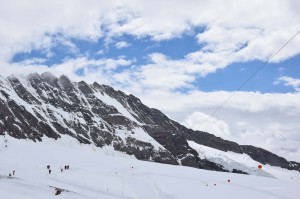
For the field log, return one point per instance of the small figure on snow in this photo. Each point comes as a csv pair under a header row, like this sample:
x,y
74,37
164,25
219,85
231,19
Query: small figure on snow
x,y
14,172
49,171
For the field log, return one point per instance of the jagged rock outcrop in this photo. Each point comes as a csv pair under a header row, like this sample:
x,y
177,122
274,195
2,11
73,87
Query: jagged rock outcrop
x,y
35,106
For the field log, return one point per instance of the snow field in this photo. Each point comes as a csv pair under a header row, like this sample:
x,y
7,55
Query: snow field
x,y
93,174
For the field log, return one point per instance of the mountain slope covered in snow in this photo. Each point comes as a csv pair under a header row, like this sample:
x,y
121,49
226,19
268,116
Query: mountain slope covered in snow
x,y
37,106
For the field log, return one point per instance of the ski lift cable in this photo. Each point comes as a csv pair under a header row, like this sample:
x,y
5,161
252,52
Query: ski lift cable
x,y
251,76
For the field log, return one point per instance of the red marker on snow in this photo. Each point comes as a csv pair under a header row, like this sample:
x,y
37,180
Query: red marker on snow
x,y
259,166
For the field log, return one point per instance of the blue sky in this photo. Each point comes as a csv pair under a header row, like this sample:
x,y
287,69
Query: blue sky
x,y
182,57
227,79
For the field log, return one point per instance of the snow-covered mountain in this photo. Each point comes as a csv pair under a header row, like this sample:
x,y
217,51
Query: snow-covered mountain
x,y
38,106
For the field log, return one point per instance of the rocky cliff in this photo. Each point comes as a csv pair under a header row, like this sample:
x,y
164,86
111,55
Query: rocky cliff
x,y
35,106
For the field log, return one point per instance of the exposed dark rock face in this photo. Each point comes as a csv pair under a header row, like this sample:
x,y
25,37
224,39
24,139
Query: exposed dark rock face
x,y
210,140
205,164
239,171
295,166
43,105
266,157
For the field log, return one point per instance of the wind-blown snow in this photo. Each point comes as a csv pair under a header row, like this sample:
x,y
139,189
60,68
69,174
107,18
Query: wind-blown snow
x,y
94,174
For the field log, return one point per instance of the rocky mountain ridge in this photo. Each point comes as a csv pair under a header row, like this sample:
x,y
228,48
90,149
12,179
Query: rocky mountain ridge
x,y
36,105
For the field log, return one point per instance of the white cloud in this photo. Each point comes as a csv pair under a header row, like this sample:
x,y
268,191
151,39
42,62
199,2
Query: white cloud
x,y
289,81
122,44
100,70
202,122
70,46
166,74
229,26
260,28
100,52
31,25
33,61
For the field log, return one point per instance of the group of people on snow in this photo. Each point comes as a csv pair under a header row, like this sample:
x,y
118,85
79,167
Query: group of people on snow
x,y
66,167
13,173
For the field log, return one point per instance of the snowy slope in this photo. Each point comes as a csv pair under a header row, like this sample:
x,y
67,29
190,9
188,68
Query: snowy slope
x,y
113,102
230,160
105,173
